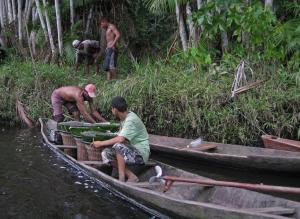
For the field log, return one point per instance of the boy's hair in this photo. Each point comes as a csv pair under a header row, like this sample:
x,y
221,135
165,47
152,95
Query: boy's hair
x,y
103,19
119,103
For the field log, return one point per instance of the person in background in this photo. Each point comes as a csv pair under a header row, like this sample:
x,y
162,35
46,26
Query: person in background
x,y
87,51
73,97
111,53
130,147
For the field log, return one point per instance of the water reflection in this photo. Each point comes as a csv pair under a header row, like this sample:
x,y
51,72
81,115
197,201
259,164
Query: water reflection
x,y
34,183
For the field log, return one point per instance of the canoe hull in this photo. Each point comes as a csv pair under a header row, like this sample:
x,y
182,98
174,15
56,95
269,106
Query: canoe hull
x,y
274,142
160,201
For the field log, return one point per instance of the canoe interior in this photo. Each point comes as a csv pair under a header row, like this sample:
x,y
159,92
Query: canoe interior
x,y
240,150
216,196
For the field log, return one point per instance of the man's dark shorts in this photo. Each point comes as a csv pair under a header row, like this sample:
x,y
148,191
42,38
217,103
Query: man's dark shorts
x,y
110,59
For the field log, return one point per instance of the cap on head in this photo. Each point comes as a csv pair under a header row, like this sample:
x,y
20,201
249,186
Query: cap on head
x,y
76,43
91,89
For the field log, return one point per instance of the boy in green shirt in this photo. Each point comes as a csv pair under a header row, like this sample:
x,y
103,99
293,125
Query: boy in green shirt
x,y
131,146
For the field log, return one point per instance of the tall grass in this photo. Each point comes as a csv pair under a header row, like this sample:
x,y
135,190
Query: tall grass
x,y
172,99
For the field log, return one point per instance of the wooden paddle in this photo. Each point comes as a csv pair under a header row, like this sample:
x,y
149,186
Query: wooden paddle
x,y
258,187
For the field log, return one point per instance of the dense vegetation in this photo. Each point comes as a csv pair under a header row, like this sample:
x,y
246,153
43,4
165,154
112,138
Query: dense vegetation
x,y
184,92
172,99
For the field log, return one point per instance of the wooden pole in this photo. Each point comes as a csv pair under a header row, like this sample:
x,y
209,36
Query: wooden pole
x,y
257,187
59,28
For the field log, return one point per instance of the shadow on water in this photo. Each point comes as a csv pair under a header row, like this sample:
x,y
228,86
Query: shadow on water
x,y
34,183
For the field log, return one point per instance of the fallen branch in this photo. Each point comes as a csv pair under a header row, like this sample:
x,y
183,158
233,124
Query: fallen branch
x,y
248,87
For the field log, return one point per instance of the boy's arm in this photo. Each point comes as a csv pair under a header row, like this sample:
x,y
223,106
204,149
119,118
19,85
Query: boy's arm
x,y
98,144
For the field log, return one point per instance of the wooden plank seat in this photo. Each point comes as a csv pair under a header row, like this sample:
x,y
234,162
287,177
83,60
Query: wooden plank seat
x,y
273,210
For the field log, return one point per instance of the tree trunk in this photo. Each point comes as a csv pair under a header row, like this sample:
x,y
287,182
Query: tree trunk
x,y
33,43
38,6
72,12
29,44
1,14
28,11
14,12
192,30
9,8
32,37
59,31
199,3
20,21
3,42
224,39
198,28
246,35
181,25
4,12
53,49
268,4
88,22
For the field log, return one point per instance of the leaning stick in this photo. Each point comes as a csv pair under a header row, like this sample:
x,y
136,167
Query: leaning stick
x,y
257,187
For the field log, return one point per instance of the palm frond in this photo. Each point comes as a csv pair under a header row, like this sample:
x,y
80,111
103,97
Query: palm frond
x,y
160,6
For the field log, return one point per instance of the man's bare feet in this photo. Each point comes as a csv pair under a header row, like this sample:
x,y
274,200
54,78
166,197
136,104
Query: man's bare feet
x,y
133,179
121,178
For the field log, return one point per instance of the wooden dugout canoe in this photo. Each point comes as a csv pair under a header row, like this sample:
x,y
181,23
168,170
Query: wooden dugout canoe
x,y
184,200
274,142
236,156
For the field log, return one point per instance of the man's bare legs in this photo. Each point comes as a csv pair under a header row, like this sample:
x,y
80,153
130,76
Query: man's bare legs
x,y
97,67
124,171
86,66
112,74
108,75
97,59
76,116
121,167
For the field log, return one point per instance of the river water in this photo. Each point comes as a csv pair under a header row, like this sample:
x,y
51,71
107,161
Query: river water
x,y
34,183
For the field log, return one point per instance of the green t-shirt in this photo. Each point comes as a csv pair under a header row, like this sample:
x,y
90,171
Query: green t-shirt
x,y
134,130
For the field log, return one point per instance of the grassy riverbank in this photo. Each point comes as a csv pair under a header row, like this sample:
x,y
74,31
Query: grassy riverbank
x,y
175,98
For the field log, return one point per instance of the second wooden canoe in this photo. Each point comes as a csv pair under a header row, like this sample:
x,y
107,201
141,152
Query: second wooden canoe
x,y
228,155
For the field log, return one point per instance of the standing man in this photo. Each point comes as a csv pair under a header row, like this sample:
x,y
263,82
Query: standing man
x,y
73,97
131,146
86,51
111,53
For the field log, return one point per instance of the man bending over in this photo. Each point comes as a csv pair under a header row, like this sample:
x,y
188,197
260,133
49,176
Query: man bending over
x,y
73,97
86,51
